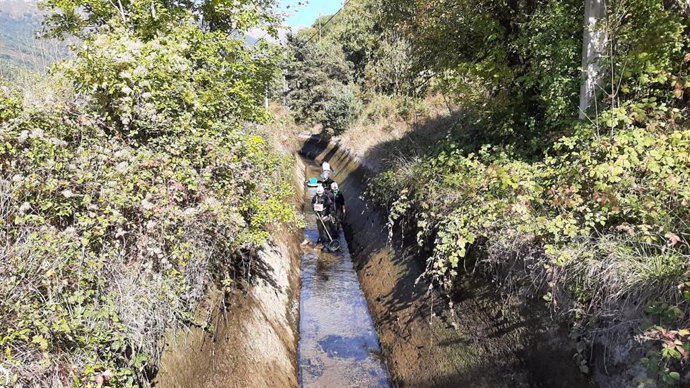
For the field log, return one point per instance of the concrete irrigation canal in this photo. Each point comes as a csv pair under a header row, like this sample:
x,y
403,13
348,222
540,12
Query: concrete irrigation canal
x,y
363,316
338,344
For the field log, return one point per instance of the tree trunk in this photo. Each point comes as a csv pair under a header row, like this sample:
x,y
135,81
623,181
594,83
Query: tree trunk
x,y
593,46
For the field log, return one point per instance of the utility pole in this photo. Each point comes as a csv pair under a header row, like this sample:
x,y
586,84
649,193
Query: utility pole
x,y
594,40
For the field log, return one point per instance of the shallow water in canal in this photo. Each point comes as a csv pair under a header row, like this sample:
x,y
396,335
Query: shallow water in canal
x,y
338,344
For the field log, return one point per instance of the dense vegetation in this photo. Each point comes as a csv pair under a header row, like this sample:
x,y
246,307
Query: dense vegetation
x,y
589,214
127,201
342,63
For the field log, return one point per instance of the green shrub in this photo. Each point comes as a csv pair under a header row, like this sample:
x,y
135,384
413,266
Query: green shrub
x,y
316,73
341,110
110,245
172,84
10,106
632,183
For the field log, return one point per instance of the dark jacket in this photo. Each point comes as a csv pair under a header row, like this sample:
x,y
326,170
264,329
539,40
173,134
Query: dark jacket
x,y
326,183
339,200
324,200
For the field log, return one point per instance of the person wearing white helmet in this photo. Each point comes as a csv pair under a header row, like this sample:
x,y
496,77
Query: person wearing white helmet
x,y
326,181
339,209
323,206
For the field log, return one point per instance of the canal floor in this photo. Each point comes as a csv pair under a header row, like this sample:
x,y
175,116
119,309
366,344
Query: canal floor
x,y
339,345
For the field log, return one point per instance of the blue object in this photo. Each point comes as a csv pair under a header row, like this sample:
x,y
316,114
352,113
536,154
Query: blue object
x,y
313,182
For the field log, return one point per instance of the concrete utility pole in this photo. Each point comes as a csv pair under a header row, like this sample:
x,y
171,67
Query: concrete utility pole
x,y
594,42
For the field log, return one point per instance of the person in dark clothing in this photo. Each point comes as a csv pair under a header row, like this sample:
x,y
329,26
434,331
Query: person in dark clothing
x,y
323,207
339,209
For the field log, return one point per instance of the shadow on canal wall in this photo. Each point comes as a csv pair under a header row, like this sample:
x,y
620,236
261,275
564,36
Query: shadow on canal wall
x,y
254,342
490,342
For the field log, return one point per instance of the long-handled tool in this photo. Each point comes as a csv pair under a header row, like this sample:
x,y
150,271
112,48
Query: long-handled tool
x,y
333,245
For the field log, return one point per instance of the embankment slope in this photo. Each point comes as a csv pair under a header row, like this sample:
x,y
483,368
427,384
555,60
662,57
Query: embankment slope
x,y
254,342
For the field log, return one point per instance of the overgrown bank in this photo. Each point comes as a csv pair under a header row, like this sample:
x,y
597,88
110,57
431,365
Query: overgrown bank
x,y
135,195
596,231
252,335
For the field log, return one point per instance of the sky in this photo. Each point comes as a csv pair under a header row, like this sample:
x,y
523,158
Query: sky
x,y
303,13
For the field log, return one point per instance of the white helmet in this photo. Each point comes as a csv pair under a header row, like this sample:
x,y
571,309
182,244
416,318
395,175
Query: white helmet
x,y
325,174
334,186
325,166
319,190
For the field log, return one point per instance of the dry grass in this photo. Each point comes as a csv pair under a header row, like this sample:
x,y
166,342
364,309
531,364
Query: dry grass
x,y
282,132
619,277
387,120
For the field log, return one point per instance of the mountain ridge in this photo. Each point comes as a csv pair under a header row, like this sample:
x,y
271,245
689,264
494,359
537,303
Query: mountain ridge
x,y
20,48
